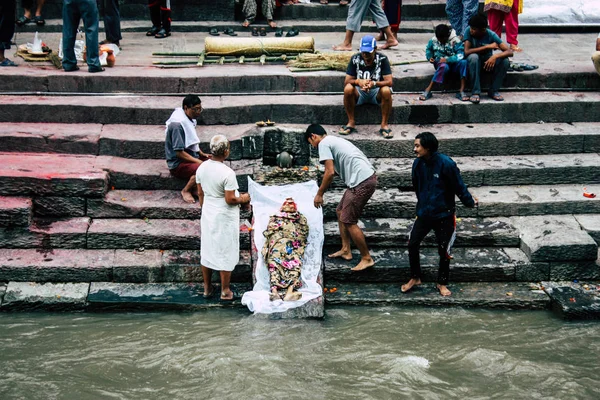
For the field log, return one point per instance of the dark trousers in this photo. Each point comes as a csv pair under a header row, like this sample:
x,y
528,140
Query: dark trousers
x,y
112,19
7,22
73,12
445,233
476,64
160,13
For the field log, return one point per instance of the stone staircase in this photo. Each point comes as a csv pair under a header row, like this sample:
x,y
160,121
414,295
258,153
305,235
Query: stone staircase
x,y
85,195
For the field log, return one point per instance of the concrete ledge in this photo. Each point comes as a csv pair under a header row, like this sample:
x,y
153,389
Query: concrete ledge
x,y
480,295
28,296
555,238
574,301
157,296
15,211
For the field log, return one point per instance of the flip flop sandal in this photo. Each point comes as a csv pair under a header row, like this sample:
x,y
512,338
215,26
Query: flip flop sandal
x,y
255,31
386,133
529,67
39,21
7,63
426,95
23,20
278,32
162,34
347,130
474,99
496,96
263,31
292,32
211,293
214,32
230,32
462,96
153,31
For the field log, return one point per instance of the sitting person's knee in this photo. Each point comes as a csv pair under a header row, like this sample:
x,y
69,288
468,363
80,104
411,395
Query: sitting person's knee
x,y
349,89
473,58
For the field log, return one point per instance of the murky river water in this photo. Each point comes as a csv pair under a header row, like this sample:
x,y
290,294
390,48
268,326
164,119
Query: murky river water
x,y
355,353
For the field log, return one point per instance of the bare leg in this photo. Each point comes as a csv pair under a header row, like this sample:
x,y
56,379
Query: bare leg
x,y
410,284
290,295
347,44
274,295
391,40
359,240
40,5
381,36
186,193
463,82
345,252
207,278
443,290
2,55
226,293
350,99
385,97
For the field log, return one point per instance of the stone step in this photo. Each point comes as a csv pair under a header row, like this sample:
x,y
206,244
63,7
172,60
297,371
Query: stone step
x,y
394,232
207,10
80,265
574,300
15,211
472,264
493,201
248,141
518,107
46,234
150,234
495,295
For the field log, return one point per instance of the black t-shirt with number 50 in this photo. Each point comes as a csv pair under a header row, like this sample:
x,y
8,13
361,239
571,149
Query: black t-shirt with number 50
x,y
378,69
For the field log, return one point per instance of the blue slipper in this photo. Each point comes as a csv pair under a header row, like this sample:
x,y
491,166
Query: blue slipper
x,y
7,63
426,95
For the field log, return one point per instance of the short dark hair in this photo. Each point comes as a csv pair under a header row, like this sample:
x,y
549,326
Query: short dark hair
x,y
314,129
478,21
428,140
442,30
190,101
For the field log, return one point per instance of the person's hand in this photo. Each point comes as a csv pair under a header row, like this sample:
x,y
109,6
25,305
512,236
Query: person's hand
x,y
476,202
489,64
318,201
245,198
443,60
432,60
493,46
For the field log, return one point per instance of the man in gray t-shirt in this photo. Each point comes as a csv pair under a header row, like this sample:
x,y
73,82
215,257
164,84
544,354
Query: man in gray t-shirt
x,y
343,158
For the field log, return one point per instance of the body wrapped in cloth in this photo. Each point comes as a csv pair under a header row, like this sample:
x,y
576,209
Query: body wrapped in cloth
x,y
285,241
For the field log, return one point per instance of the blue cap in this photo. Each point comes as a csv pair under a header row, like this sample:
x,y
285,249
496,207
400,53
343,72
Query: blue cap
x,y
368,44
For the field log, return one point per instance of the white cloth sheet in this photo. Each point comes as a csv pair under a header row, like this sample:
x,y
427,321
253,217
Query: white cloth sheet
x,y
571,12
266,201
189,127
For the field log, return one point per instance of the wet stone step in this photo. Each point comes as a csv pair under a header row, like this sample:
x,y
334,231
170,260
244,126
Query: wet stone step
x,y
394,232
494,295
468,265
59,265
574,300
159,296
518,107
32,296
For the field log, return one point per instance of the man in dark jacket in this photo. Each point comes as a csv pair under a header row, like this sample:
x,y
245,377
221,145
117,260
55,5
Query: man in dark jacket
x,y
436,180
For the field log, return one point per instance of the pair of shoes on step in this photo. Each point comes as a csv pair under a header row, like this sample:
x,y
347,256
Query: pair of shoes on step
x,y
226,31
159,33
290,33
38,20
259,31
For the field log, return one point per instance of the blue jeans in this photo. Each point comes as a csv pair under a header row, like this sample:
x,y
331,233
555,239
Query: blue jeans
x,y
112,19
442,69
73,12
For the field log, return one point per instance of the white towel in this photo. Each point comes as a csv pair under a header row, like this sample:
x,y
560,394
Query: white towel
x,y
189,127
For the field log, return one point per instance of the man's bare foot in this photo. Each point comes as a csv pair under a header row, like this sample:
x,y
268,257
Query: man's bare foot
x,y
443,290
274,296
246,23
391,42
346,255
342,47
227,295
187,197
408,286
364,264
292,296
272,24
515,48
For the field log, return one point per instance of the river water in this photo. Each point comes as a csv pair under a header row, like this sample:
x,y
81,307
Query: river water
x,y
355,353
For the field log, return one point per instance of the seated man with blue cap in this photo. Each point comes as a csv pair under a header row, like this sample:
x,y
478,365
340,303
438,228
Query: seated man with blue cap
x,y
368,81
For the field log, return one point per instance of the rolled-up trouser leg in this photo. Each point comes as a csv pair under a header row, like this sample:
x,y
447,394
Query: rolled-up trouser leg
x,y
356,13
378,14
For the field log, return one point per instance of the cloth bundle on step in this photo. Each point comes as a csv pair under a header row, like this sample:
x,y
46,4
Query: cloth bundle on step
x,y
252,47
